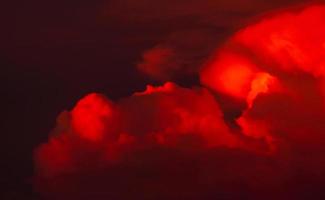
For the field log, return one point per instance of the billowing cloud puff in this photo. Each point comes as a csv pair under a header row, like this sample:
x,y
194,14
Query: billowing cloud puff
x,y
168,116
174,123
288,49
289,43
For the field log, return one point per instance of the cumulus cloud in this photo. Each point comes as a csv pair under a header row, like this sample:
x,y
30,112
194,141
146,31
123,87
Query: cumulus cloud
x,y
159,116
156,130
170,142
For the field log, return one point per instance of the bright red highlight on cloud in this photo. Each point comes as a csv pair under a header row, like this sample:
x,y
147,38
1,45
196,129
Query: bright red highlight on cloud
x,y
289,42
262,83
237,76
275,67
231,74
91,116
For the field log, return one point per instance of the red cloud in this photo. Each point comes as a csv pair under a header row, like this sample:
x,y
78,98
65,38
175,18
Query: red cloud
x,y
170,142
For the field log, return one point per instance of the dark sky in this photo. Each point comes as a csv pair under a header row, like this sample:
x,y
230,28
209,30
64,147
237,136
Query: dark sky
x,y
54,52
